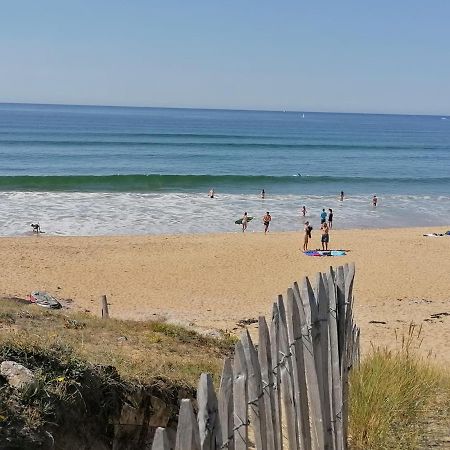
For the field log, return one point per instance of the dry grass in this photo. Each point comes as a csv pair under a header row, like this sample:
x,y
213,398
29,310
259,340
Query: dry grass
x,y
393,395
142,352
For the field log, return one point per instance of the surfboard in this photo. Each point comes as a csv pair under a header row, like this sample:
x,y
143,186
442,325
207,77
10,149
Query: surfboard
x,y
239,221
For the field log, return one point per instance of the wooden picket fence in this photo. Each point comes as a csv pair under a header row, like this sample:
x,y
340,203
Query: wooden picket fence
x,y
292,391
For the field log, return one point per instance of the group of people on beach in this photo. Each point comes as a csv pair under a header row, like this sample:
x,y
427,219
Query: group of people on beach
x,y
326,224
326,221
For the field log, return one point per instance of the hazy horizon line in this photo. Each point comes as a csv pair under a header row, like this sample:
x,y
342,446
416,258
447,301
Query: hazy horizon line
x,y
222,109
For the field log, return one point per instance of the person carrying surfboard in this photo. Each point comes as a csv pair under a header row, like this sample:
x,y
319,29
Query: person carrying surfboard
x,y
266,221
244,221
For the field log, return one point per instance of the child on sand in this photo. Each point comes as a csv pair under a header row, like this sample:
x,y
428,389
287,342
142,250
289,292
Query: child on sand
x,y
325,236
266,221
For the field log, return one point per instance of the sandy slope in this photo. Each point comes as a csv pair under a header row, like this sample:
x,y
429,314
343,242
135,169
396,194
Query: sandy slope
x,y
216,280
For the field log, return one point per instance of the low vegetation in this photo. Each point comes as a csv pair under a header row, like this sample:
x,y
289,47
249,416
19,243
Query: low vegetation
x,y
142,352
86,368
398,400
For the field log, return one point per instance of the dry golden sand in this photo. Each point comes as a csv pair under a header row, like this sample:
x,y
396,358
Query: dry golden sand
x,y
216,280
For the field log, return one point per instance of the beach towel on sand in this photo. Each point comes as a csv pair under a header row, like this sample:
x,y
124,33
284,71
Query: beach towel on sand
x,y
447,233
325,253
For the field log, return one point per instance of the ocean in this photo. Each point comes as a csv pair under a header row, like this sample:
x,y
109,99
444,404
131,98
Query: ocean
x,y
91,170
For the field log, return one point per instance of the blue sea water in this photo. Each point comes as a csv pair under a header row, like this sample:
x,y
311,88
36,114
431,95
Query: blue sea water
x,y
113,170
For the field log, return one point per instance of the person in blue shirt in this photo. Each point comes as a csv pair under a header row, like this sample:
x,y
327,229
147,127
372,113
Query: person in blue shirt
x,y
323,216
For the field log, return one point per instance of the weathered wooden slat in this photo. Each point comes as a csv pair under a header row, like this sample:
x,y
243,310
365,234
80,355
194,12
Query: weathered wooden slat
x,y
287,379
225,407
299,375
207,412
187,430
160,440
265,362
349,273
340,300
336,384
303,294
276,358
322,359
240,399
255,392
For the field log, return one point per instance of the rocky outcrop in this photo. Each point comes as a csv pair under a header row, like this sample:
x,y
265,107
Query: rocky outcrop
x,y
17,375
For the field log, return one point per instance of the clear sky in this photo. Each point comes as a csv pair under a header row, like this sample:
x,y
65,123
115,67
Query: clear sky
x,y
388,56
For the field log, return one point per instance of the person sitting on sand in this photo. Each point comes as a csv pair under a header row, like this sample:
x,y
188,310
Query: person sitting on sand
x,y
374,200
266,221
330,218
304,211
244,221
323,216
307,235
325,236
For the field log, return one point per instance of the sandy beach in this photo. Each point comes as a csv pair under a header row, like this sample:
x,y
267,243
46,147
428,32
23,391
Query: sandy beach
x,y
213,281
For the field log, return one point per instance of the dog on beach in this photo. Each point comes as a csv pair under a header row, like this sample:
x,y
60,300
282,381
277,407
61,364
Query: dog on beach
x,y
36,228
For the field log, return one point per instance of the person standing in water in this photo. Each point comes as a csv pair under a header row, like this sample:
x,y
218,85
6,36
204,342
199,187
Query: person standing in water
x,y
211,193
330,218
266,221
325,236
374,200
263,194
244,221
304,211
342,196
323,216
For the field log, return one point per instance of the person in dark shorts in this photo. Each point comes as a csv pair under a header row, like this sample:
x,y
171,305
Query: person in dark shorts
x,y
266,221
330,218
323,216
325,236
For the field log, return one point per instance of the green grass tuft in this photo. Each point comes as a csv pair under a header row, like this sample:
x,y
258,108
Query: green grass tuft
x,y
393,394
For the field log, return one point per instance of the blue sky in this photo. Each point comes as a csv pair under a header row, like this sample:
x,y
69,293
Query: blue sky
x,y
352,56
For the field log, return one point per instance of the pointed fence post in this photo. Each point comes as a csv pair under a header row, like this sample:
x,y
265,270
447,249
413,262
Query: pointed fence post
x,y
225,406
287,380
207,412
160,440
267,376
240,399
298,366
276,358
187,431
305,296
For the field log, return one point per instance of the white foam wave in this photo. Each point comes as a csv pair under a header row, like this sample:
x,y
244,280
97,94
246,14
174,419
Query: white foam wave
x,y
133,213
